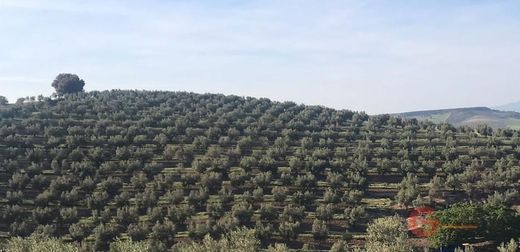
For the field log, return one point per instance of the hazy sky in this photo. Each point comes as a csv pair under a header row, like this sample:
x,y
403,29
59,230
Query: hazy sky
x,y
376,56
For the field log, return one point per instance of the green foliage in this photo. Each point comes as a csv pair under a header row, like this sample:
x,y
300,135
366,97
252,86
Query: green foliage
x,y
138,232
354,215
465,249
66,83
494,222
289,230
320,229
388,234
340,246
3,100
324,212
39,244
238,240
129,246
500,223
511,246
147,164
408,190
278,247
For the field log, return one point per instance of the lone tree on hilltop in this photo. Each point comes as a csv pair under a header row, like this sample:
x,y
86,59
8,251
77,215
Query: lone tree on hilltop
x,y
3,100
66,83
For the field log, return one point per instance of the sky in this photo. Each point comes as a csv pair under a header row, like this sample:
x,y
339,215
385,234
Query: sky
x,y
372,56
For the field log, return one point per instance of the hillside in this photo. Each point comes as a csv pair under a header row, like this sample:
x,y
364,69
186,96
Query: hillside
x,y
174,166
472,117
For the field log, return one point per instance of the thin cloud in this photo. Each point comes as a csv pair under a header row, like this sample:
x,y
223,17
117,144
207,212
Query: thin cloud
x,y
93,6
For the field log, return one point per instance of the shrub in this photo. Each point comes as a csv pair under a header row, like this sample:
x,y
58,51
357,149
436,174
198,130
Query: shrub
x,y
175,197
12,213
43,215
408,190
242,211
155,214
306,199
122,199
198,198
211,180
306,182
45,230
331,196
320,230
69,215
511,246
196,229
339,246
262,179
163,231
225,195
18,181
138,232
126,215
14,197
280,193
103,234
289,230
225,224
267,211
179,214
324,212
294,213
215,209
238,177
354,215
21,228
111,185
78,231
70,198
263,231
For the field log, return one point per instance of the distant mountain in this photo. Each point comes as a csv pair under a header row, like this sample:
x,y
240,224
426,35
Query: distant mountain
x,y
468,116
515,106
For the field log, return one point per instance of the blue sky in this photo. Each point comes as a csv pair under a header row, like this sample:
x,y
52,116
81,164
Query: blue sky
x,y
375,56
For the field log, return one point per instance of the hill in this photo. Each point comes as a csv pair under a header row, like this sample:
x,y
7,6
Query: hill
x,y
173,166
515,106
472,117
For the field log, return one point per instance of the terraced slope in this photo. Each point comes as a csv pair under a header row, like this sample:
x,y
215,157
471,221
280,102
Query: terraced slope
x,y
171,166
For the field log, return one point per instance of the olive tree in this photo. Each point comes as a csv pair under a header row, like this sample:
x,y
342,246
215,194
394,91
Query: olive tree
x,y
387,234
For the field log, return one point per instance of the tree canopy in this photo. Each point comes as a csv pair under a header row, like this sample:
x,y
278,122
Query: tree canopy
x,y
490,221
66,83
3,100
